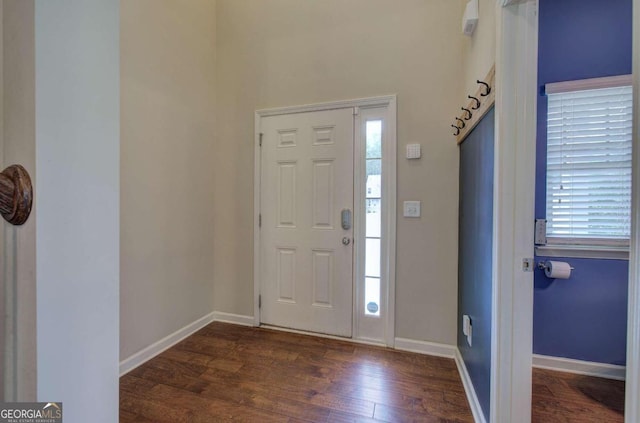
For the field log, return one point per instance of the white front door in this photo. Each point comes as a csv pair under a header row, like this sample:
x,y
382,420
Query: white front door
x,y
306,252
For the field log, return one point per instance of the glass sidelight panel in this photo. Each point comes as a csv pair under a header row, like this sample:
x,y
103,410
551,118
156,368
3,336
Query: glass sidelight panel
x,y
372,296
373,216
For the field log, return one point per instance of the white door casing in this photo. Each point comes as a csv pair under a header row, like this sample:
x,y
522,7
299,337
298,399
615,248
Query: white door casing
x,y
514,179
511,379
632,405
362,329
306,254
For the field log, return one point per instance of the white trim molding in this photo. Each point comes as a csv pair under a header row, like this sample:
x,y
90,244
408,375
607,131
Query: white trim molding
x,y
164,344
381,101
257,205
472,397
588,84
236,319
369,328
581,251
514,177
391,166
325,336
504,3
388,102
579,367
425,347
632,405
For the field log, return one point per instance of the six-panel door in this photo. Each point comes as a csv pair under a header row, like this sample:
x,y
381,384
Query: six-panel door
x,y
306,254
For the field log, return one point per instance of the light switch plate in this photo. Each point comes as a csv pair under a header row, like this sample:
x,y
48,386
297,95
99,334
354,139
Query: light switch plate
x,y
413,151
412,209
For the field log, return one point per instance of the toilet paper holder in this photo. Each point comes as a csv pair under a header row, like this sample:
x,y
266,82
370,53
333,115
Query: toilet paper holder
x,y
542,265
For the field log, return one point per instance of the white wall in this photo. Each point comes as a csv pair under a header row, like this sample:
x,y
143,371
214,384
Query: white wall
x,y
479,51
18,260
289,52
77,246
3,283
168,154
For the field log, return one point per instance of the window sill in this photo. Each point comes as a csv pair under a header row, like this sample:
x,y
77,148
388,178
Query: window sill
x,y
583,251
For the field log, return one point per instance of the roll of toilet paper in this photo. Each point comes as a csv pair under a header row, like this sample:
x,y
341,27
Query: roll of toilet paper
x,y
557,269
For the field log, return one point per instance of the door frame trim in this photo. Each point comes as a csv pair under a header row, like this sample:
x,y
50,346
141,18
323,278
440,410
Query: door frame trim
x,y
517,36
514,179
632,407
388,101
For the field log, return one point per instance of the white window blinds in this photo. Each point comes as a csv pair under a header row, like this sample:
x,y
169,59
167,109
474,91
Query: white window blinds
x,y
589,136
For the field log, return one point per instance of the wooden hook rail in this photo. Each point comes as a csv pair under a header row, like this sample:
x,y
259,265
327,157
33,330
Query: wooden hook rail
x,y
16,194
478,105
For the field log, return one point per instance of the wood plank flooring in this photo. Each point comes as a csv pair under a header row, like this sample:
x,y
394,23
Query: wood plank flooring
x,y
229,373
565,397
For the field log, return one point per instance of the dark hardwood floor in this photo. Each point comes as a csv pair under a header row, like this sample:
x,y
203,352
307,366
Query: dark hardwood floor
x,y
228,373
565,397
232,373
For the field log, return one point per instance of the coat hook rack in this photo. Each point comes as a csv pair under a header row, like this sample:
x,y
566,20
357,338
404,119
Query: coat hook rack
x,y
477,106
16,194
487,87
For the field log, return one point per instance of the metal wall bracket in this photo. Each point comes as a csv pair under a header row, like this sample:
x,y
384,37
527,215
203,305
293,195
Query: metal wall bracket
x,y
527,264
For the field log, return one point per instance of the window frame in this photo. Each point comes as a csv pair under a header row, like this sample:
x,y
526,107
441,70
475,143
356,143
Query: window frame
x,y
376,328
571,246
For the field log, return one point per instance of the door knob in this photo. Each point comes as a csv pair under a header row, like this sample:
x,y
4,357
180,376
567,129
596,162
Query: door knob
x,y
346,240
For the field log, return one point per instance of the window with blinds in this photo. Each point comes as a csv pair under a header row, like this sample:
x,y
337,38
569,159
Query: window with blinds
x,y
589,133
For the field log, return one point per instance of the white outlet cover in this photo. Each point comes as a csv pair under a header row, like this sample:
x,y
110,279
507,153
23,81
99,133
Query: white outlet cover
x,y
412,209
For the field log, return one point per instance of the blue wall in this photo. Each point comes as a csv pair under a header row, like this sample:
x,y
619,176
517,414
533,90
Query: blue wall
x,y
585,316
475,254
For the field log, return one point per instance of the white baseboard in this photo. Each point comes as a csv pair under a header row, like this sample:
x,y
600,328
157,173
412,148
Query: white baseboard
x,y
589,368
237,319
447,351
424,347
169,341
165,343
474,403
324,335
